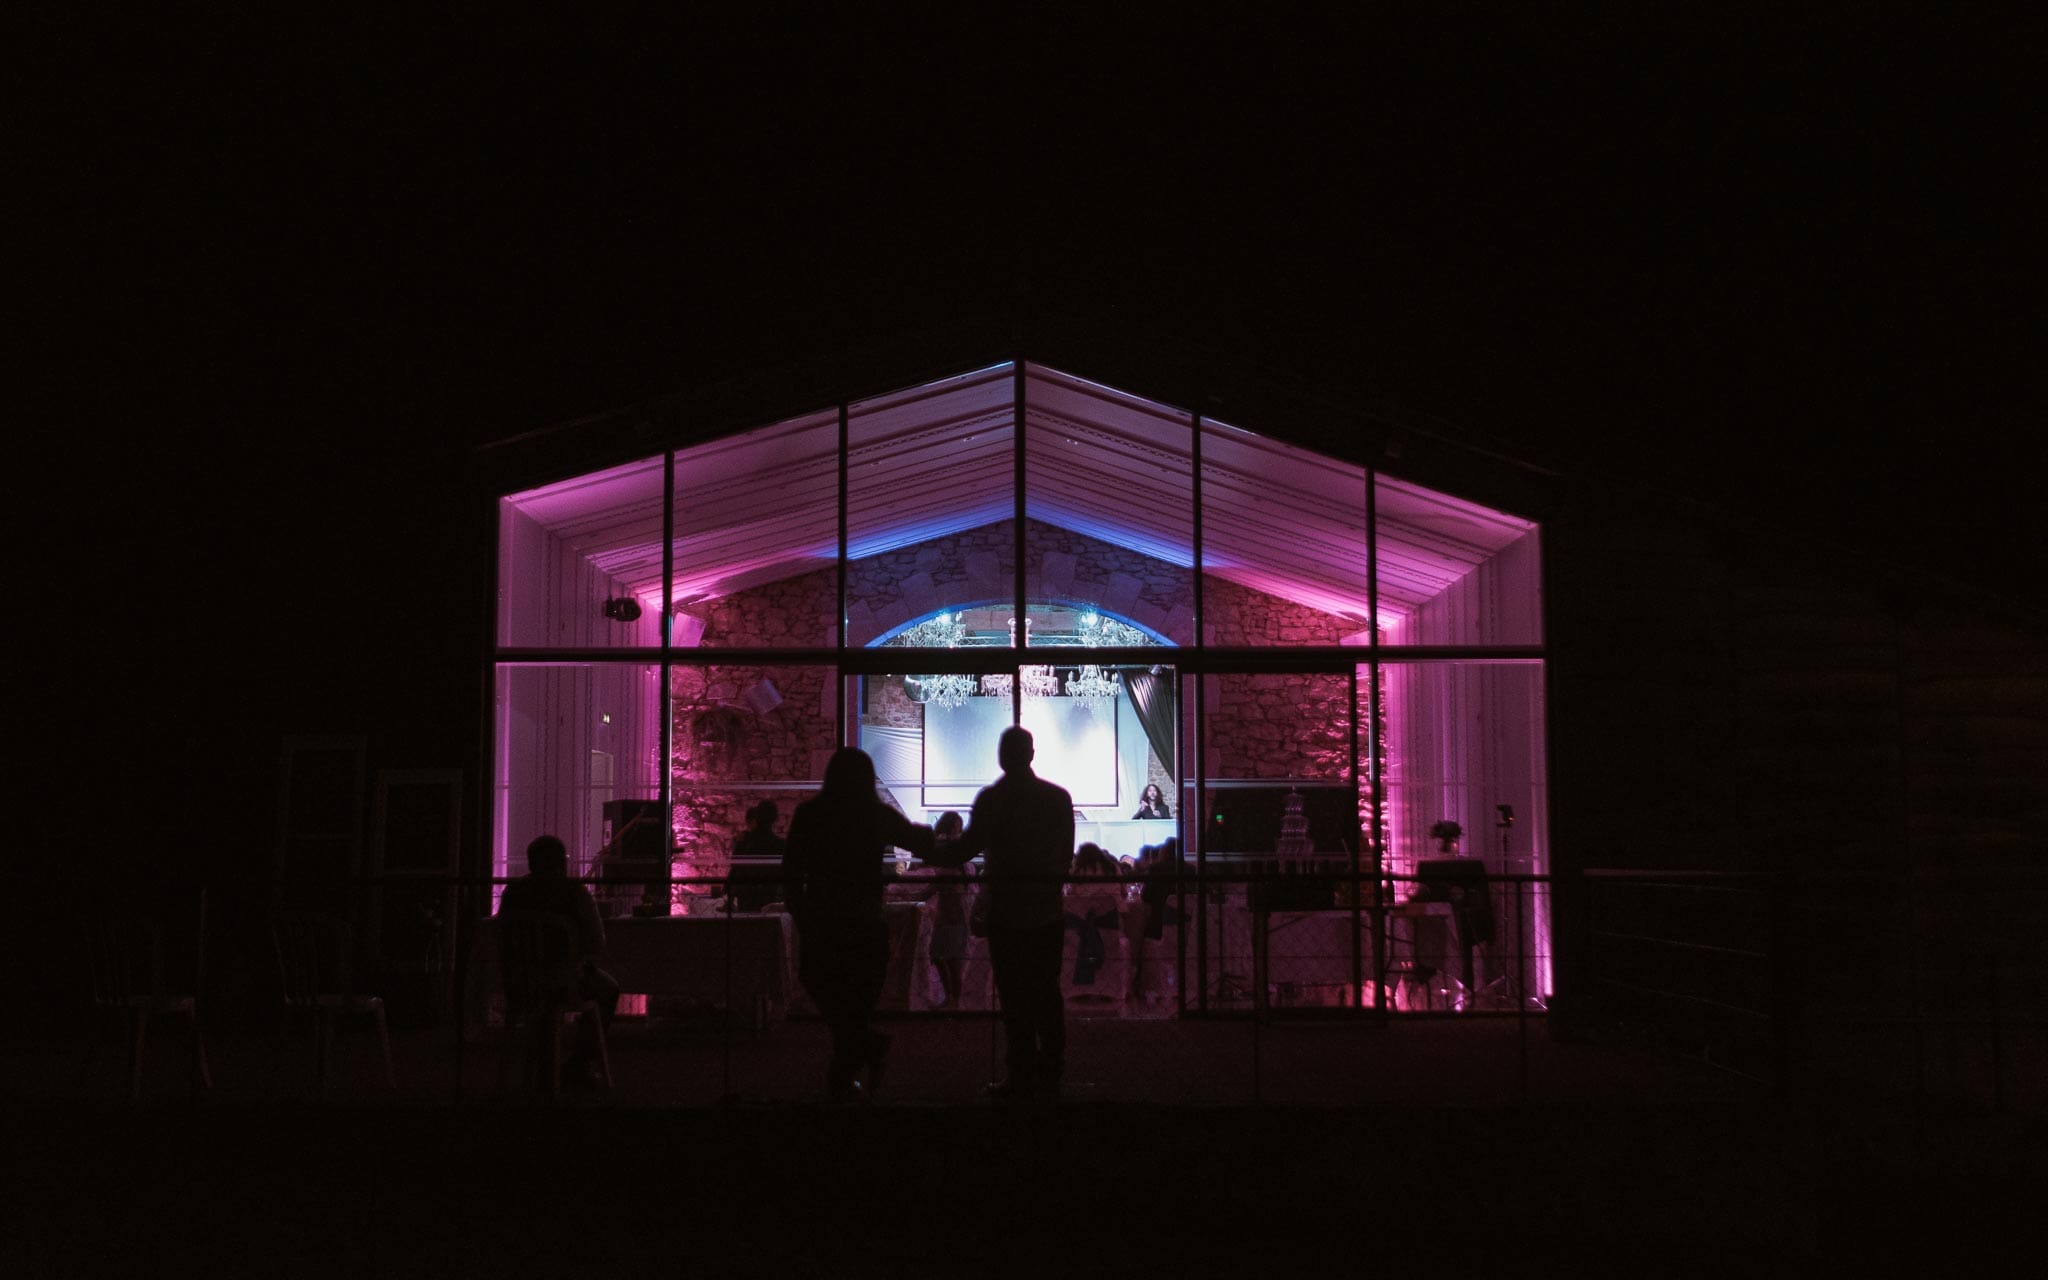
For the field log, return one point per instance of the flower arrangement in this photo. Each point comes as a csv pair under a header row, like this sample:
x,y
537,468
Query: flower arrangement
x,y
1445,829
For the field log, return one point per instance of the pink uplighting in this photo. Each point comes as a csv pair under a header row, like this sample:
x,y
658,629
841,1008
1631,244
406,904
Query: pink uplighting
x,y
1112,498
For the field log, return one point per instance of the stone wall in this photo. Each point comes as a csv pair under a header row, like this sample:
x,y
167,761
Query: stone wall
x,y
1260,726
896,587
722,745
1241,616
1278,726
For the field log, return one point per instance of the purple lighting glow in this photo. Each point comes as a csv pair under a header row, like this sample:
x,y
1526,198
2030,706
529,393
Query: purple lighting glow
x,y
1111,500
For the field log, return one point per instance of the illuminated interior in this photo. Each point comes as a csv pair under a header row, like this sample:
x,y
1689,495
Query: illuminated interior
x,y
1205,609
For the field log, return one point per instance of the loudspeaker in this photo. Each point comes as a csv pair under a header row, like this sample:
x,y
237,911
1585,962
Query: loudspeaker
x,y
617,813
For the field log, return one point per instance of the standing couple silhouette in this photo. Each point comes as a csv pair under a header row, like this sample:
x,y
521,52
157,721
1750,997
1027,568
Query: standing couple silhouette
x,y
1021,825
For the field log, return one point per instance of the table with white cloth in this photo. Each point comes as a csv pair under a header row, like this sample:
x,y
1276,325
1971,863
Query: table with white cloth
x,y
743,962
906,984
1304,957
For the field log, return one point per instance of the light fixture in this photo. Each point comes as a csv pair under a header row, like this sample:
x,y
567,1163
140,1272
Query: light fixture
x,y
948,690
1039,682
1095,631
1089,682
941,631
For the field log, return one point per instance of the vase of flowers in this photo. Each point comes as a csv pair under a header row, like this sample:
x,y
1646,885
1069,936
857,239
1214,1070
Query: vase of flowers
x,y
1446,833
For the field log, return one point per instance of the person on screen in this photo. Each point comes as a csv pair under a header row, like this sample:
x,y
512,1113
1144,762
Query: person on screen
x,y
832,883
1024,827
1152,803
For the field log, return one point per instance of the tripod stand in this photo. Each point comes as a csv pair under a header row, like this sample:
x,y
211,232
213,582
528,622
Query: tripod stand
x,y
1506,990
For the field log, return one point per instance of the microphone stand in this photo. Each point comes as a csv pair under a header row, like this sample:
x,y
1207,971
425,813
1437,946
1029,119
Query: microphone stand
x,y
1504,990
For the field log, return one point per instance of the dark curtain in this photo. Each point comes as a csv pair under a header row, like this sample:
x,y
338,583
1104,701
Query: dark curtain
x,y
1152,697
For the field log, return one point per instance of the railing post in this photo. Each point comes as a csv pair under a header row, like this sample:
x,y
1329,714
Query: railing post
x,y
1261,979
1521,991
725,1039
459,995
1787,1007
1997,1040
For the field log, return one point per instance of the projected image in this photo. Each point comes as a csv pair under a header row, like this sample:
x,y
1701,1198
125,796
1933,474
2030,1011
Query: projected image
x,y
1076,742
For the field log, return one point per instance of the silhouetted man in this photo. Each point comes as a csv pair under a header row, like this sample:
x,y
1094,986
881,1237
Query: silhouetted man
x,y
546,887
1024,826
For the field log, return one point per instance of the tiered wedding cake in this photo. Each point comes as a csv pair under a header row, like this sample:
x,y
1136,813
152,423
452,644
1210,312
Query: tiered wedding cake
x,y
1296,851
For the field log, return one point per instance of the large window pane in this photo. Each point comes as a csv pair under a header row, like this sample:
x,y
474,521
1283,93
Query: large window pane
x,y
1283,544
1279,809
579,563
744,734
931,503
578,753
1453,572
757,538
1466,781
1109,503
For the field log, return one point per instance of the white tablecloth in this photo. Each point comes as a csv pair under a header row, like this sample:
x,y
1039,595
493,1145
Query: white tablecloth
x,y
744,962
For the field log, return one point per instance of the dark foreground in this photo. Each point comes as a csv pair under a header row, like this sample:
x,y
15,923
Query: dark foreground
x,y
516,1189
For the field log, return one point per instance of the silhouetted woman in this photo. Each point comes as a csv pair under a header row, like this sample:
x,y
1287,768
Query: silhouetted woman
x,y
832,883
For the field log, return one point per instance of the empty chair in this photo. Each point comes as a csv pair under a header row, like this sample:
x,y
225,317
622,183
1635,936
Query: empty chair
x,y
314,962
538,959
125,963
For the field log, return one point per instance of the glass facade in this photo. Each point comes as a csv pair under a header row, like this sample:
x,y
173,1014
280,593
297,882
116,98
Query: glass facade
x,y
1293,666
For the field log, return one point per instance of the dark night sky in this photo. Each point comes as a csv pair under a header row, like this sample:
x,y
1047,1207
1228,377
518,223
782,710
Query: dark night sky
x,y
291,273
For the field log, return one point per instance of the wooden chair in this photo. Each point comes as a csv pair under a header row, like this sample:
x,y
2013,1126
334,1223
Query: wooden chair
x,y
124,957
538,960
314,957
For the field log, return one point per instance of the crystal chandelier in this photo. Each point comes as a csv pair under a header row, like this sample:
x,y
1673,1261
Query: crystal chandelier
x,y
1094,630
944,631
1091,683
1039,682
949,690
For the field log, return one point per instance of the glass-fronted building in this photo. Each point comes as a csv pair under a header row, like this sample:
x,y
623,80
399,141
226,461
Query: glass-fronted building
x,y
1333,676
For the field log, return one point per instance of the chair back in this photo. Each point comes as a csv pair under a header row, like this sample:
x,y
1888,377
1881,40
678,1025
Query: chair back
x,y
538,959
123,956
315,951
125,950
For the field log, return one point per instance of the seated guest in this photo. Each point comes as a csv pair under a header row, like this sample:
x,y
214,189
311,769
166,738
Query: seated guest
x,y
949,899
547,888
1094,896
1158,868
753,886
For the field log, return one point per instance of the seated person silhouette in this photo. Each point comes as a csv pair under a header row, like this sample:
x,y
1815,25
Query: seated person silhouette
x,y
547,888
754,884
950,899
1094,898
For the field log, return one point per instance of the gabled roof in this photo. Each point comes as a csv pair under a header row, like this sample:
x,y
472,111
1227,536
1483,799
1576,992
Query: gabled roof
x,y
936,458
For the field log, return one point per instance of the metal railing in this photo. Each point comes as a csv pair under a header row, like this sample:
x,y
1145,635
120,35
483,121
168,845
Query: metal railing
x,y
1223,988
1252,986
